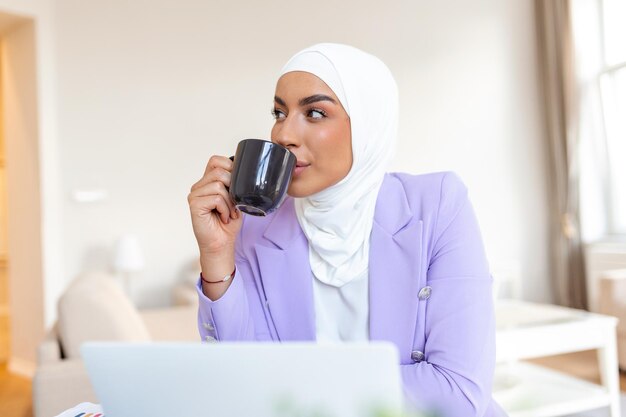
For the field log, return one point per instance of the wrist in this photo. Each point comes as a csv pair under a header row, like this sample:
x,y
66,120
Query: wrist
x,y
216,266
224,279
217,251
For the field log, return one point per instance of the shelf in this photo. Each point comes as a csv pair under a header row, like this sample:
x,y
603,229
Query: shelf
x,y
527,390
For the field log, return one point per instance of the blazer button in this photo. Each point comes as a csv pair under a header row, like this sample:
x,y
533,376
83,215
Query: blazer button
x,y
425,293
210,339
208,326
417,356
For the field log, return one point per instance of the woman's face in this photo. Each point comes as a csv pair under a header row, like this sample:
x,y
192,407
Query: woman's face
x,y
311,123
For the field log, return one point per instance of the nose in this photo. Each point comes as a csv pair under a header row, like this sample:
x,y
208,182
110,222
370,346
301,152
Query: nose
x,y
285,133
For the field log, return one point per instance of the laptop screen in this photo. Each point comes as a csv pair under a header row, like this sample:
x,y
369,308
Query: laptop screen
x,y
245,379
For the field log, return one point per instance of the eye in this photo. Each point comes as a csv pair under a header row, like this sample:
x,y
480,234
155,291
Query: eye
x,y
277,114
316,114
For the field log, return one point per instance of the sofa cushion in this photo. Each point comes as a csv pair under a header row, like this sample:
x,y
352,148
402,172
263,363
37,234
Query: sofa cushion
x,y
95,308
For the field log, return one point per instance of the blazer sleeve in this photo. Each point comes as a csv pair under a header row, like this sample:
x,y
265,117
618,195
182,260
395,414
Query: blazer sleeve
x,y
456,375
238,315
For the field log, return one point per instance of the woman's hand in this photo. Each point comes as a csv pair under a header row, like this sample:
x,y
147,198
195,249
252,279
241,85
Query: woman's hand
x,y
215,219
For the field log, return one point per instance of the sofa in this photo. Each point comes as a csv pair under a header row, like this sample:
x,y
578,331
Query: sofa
x,y
95,308
612,301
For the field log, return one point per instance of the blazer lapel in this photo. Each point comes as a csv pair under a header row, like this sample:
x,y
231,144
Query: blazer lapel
x,y
286,276
395,259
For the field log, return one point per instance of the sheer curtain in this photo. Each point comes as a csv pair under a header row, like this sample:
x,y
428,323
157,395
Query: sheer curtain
x,y
560,94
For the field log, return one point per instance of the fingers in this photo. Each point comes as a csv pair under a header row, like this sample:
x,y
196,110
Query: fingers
x,y
213,196
210,193
209,206
214,175
217,169
222,208
217,161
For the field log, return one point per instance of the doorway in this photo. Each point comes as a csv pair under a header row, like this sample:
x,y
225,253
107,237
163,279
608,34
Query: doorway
x,y
21,271
4,278
7,21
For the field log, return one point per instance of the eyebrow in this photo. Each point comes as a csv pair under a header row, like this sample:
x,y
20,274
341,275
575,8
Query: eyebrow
x,y
308,100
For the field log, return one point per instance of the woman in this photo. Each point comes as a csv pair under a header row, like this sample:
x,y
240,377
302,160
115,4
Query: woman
x,y
354,253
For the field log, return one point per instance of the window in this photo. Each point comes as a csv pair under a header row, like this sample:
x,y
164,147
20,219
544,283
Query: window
x,y
613,93
600,49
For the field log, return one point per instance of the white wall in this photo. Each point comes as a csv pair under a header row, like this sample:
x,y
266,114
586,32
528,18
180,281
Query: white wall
x,y
149,90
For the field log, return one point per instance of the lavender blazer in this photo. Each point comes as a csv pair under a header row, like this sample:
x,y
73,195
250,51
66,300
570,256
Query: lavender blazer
x,y
429,282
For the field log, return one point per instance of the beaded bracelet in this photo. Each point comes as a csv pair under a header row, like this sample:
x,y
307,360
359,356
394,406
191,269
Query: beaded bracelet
x,y
226,278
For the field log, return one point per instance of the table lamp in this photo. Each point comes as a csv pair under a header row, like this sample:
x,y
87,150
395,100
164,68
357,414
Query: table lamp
x,y
128,258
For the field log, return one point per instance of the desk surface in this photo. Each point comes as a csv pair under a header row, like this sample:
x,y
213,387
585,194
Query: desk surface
x,y
515,314
528,330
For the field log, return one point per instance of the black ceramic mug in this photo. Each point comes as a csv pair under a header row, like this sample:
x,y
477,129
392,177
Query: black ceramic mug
x,y
260,176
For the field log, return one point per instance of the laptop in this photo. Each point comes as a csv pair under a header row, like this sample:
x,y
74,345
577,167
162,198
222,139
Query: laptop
x,y
168,379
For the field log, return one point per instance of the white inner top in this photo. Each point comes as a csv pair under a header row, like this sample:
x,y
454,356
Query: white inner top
x,y
342,313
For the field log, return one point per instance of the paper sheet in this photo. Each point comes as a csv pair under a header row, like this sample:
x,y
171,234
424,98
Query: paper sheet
x,y
83,410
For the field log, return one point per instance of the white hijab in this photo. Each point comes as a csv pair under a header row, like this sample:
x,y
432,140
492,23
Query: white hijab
x,y
338,220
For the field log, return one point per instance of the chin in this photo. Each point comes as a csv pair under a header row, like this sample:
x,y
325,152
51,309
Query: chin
x,y
297,191
300,187
297,194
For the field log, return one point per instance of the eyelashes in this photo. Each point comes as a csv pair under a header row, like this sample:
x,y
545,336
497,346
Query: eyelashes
x,y
321,112
276,113
312,113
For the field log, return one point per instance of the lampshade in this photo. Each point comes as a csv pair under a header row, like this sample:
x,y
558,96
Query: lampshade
x,y
128,255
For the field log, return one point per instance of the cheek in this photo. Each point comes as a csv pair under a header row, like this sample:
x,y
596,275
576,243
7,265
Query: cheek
x,y
336,147
345,148
326,146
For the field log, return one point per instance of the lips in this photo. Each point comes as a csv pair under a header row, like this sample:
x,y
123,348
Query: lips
x,y
300,166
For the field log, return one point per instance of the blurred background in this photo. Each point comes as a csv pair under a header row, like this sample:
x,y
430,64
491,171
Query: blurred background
x,y
110,110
